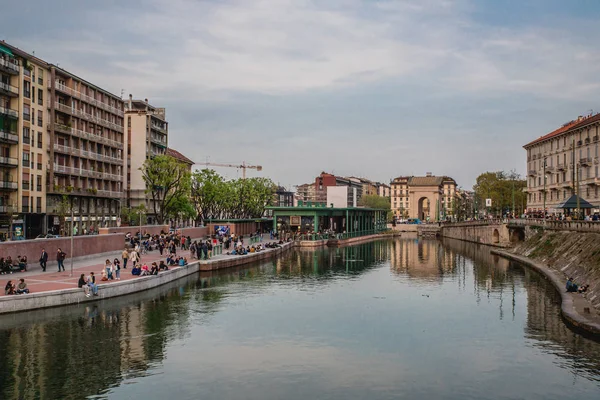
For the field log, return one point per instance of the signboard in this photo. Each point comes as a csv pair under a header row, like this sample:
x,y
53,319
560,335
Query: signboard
x,y
295,220
488,202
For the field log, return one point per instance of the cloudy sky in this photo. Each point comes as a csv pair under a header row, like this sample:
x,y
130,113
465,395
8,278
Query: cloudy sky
x,y
354,87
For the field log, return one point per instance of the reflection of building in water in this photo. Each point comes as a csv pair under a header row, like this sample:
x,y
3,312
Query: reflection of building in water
x,y
545,325
421,258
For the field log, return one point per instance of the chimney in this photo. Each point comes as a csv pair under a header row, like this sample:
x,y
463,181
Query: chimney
x,y
130,101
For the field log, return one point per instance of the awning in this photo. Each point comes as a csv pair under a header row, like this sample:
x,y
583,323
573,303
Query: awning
x,y
571,203
6,50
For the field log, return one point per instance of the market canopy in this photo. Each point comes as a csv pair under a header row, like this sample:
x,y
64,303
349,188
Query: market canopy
x,y
6,50
571,203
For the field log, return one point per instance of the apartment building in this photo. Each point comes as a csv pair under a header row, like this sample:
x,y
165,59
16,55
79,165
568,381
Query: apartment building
x,y
424,197
71,148
23,141
147,134
305,193
562,163
355,188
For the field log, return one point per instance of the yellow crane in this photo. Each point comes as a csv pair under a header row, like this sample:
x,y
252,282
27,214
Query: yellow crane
x,y
242,166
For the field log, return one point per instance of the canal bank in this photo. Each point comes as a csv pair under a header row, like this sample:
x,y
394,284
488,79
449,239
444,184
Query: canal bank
x,y
56,298
576,309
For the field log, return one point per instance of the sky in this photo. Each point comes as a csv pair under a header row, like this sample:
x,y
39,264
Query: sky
x,y
370,88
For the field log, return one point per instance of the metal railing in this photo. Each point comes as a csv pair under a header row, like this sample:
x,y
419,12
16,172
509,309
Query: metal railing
x,y
8,185
217,249
9,161
86,98
579,226
9,88
9,137
88,135
12,67
9,111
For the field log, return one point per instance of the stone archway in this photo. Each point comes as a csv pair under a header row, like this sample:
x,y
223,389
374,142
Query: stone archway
x,y
424,208
496,237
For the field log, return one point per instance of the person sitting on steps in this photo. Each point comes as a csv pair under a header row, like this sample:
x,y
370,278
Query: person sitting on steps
x,y
571,286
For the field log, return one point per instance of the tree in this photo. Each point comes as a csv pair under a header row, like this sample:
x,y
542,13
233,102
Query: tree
x,y
375,201
166,179
501,187
62,209
131,216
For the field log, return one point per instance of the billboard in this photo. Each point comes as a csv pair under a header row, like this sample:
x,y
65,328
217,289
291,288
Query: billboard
x,y
337,196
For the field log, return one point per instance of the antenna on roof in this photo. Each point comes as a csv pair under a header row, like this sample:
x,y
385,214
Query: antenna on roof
x,y
122,92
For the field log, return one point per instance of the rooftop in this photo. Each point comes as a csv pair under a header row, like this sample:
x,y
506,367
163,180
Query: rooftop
x,y
178,156
571,125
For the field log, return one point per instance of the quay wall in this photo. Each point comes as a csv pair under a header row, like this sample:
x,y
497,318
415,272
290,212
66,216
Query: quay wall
x,y
493,235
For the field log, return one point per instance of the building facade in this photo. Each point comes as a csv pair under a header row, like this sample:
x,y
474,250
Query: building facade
x,y
62,147
323,181
283,197
147,134
562,163
428,198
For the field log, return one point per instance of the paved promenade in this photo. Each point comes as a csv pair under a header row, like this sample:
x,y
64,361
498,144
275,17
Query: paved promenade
x,y
39,281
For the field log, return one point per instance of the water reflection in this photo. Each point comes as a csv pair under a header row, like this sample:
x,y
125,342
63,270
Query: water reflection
x,y
227,321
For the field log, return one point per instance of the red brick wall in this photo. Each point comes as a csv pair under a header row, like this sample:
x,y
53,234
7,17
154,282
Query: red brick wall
x,y
199,232
151,229
82,246
240,228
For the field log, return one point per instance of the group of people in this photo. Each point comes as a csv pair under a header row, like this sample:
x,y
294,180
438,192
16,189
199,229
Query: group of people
x,y
20,288
201,250
8,265
572,287
242,251
143,270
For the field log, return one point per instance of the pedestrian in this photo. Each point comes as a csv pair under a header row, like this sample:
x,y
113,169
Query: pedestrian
x,y
183,243
117,269
161,246
83,284
205,250
60,259
210,248
43,260
109,269
91,281
135,258
125,256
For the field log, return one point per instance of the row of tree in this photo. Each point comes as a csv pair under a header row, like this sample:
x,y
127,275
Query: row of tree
x,y
505,189
176,192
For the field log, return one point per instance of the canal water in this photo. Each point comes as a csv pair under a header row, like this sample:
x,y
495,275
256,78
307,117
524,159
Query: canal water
x,y
383,320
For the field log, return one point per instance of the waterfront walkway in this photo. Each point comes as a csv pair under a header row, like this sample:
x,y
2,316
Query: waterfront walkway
x,y
39,281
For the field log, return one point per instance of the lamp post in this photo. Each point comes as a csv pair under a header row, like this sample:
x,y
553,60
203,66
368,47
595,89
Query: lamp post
x,y
544,208
141,212
72,232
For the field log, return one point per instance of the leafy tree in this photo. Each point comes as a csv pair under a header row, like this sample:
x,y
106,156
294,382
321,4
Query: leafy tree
x,y
375,201
62,209
500,186
166,179
131,216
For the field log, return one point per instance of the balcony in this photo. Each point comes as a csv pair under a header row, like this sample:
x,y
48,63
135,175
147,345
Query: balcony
x,y
8,90
549,169
9,112
8,137
87,135
532,172
586,161
561,167
159,129
567,185
160,140
61,88
9,162
8,184
64,108
8,209
10,66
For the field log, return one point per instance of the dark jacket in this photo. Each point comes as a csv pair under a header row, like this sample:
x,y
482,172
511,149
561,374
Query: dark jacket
x,y
44,256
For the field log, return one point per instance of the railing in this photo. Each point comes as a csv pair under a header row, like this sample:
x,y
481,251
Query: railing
x,y
9,111
158,128
9,88
475,222
159,139
9,161
89,117
217,249
88,136
10,66
7,209
8,185
255,239
561,167
532,172
585,161
86,98
9,137
549,169
579,226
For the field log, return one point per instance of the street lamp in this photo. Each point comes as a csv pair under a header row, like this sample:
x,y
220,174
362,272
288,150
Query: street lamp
x,y
141,212
544,208
72,232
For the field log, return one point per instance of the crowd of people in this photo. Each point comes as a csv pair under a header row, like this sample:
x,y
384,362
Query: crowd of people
x,y
8,265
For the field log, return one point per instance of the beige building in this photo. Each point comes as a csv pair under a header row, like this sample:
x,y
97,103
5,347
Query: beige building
x,y
70,145
146,136
428,198
306,193
23,143
562,163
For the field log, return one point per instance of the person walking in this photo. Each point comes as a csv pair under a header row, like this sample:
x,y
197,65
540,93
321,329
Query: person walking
x,y
109,269
125,256
43,260
209,248
60,259
117,269
91,281
135,258
205,250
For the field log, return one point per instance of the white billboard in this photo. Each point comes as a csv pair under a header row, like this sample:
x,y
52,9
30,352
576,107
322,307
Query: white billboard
x,y
338,196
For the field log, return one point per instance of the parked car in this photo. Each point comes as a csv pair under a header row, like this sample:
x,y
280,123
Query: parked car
x,y
47,236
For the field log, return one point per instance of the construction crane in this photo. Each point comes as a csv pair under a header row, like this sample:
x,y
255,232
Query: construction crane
x,y
243,166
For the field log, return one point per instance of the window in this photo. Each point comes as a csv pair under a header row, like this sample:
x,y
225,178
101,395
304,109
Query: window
x,y
26,88
33,94
26,71
25,206
26,135
38,205
40,118
26,159
40,97
39,183
39,140
26,112
129,122
40,76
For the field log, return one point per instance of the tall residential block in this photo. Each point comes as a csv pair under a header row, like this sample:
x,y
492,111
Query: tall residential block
x,y
70,148
147,133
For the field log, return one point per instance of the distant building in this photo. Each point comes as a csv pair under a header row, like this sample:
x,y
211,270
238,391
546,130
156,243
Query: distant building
x,y
305,193
325,180
560,162
428,198
383,190
180,157
283,197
